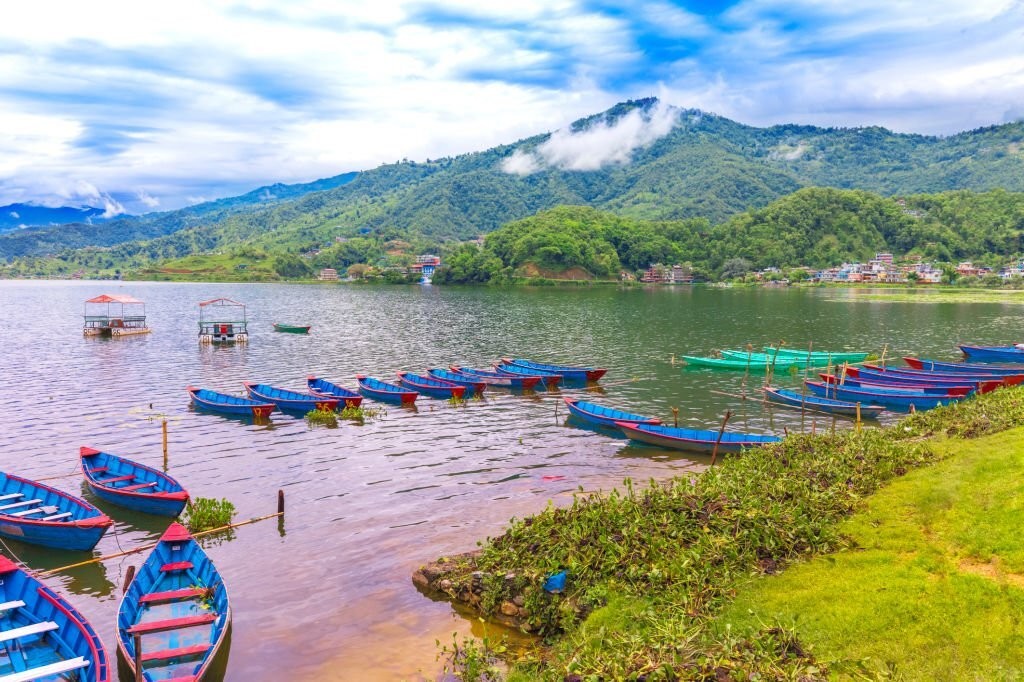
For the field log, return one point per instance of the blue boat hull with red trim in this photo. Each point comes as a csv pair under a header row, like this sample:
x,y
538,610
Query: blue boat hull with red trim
x,y
291,400
993,353
331,390
694,440
180,583
549,379
436,388
813,403
893,400
69,649
226,403
976,369
493,378
36,513
382,391
569,372
129,484
474,384
605,416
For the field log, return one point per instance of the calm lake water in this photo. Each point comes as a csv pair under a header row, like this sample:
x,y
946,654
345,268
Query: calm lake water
x,y
327,594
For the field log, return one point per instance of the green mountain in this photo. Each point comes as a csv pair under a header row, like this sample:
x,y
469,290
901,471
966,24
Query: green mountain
x,y
703,166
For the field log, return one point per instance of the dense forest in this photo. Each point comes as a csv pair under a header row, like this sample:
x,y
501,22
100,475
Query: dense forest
x,y
816,227
705,167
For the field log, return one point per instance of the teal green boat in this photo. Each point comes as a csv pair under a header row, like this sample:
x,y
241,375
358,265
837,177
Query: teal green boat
x,y
291,328
742,365
765,358
835,357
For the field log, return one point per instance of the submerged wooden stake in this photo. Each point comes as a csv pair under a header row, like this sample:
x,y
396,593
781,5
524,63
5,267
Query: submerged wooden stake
x,y
129,576
858,416
721,431
164,428
675,416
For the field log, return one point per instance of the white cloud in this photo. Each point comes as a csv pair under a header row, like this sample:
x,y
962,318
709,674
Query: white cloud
x,y
601,144
14,214
146,199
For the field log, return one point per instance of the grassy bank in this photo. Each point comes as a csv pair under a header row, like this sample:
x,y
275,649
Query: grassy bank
x,y
932,585
651,573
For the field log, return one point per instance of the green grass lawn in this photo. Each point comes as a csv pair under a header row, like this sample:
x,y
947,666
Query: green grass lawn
x,y
933,587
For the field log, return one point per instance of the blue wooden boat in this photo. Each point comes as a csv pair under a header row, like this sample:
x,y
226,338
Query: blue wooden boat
x,y
385,392
549,379
696,440
175,614
814,403
493,378
36,513
605,416
962,389
900,378
473,384
129,484
894,400
229,404
568,371
437,388
43,637
963,368
993,353
290,400
328,389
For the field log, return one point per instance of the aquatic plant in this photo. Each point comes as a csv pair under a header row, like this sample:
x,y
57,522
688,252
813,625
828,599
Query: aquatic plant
x,y
207,513
362,414
322,417
472,660
456,401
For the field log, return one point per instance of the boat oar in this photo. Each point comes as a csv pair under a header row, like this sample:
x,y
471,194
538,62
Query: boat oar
x,y
721,432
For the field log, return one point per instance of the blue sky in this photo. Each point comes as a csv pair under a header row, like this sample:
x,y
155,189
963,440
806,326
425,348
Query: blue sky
x,y
144,106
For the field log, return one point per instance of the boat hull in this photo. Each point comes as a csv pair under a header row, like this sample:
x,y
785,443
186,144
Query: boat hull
x,y
291,328
963,368
155,492
993,353
224,403
80,528
605,416
818,404
739,365
492,378
291,401
435,388
472,384
693,440
893,400
384,392
548,379
569,372
331,390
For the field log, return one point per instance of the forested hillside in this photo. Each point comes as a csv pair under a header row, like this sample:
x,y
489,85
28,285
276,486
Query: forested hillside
x,y
816,227
701,166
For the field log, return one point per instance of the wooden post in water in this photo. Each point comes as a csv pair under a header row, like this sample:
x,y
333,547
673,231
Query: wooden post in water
x,y
721,431
884,348
675,416
280,502
673,360
128,577
858,416
164,429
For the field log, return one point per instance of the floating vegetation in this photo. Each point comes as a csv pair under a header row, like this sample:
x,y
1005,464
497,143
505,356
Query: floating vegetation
x,y
322,417
362,414
207,513
456,401
472,660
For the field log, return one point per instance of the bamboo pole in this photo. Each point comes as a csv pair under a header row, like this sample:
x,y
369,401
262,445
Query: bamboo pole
x,y
141,548
164,429
721,432
858,416
675,416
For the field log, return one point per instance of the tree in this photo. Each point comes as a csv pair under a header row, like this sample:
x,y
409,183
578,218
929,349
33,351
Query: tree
x,y
358,270
736,267
290,265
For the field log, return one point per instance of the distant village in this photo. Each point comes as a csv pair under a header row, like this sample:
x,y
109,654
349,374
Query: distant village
x,y
881,270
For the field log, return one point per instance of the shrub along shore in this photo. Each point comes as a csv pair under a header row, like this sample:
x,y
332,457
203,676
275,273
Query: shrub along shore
x,y
652,572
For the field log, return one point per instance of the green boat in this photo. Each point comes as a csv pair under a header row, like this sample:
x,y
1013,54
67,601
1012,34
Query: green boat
x,y
291,328
742,365
763,358
835,357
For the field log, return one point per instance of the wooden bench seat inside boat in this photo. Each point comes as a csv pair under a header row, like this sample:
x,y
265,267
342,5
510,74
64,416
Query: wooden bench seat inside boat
x,y
180,652
45,671
19,504
176,566
171,596
172,624
116,479
139,486
27,631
